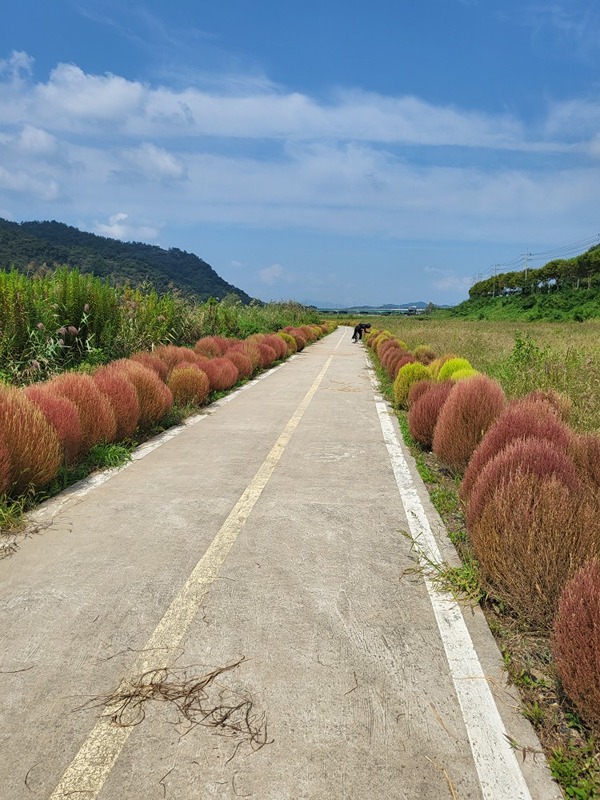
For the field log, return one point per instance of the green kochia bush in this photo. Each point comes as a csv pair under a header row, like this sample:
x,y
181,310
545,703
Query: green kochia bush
x,y
407,375
451,366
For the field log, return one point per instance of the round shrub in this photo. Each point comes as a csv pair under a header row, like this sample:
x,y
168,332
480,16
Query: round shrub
x,y
470,409
407,375
450,366
153,361
96,415
438,363
221,372
424,412
559,403
277,343
461,374
584,449
519,420
388,344
532,536
424,354
4,467
267,355
242,362
171,355
309,333
537,457
209,346
418,389
34,451
62,414
575,641
188,384
154,396
122,396
289,341
298,337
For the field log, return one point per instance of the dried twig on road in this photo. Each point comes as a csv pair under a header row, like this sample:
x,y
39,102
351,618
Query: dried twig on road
x,y
198,700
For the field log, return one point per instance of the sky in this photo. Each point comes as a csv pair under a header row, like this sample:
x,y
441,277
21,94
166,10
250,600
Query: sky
x,y
328,152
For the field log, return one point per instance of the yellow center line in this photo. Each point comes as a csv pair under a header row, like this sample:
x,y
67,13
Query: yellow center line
x,y
91,766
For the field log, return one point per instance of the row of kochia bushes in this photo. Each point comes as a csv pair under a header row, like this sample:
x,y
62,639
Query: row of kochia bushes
x,y
530,489
49,425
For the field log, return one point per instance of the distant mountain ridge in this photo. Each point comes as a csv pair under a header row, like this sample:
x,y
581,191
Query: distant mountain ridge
x,y
54,243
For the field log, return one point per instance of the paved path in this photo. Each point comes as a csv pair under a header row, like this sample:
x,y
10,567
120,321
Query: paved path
x,y
272,531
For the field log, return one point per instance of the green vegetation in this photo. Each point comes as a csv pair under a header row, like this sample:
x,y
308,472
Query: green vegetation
x,y
31,246
65,319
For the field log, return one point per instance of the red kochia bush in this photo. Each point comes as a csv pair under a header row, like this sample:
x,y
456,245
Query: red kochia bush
x,y
575,641
519,420
250,348
221,372
309,333
418,389
34,451
471,407
96,415
154,397
153,361
537,457
559,403
298,337
4,467
277,343
189,384
123,398
242,362
62,414
209,346
584,449
532,536
171,355
424,412
267,355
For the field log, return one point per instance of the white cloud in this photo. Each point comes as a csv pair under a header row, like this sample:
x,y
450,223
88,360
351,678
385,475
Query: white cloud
x,y
36,142
119,227
75,102
155,162
18,66
269,275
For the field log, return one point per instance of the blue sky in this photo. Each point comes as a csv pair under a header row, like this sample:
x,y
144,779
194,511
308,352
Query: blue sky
x,y
344,152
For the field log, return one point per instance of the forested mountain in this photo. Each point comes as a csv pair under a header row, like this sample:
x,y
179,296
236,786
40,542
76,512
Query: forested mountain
x,y
33,244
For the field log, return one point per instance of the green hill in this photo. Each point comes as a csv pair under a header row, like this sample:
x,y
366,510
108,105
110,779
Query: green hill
x,y
28,245
563,289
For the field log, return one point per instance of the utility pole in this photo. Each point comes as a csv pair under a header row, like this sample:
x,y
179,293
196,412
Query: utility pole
x,y
526,255
495,268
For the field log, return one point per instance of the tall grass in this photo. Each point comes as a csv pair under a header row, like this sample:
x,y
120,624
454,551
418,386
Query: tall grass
x,y
52,321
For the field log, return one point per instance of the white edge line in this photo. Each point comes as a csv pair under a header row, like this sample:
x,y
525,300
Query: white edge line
x,y
500,775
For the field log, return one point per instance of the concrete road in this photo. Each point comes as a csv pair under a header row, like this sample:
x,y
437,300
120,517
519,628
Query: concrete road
x,y
271,537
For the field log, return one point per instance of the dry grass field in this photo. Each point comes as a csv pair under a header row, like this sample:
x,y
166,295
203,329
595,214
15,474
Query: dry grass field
x,y
529,355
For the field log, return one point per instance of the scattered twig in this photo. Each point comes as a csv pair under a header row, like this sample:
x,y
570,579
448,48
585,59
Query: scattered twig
x,y
235,791
14,671
355,685
196,699
162,781
29,771
446,776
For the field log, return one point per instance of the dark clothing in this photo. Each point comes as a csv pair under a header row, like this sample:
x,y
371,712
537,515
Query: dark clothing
x,y
359,330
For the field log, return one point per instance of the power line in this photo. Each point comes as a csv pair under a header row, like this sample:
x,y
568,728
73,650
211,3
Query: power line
x,y
525,259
